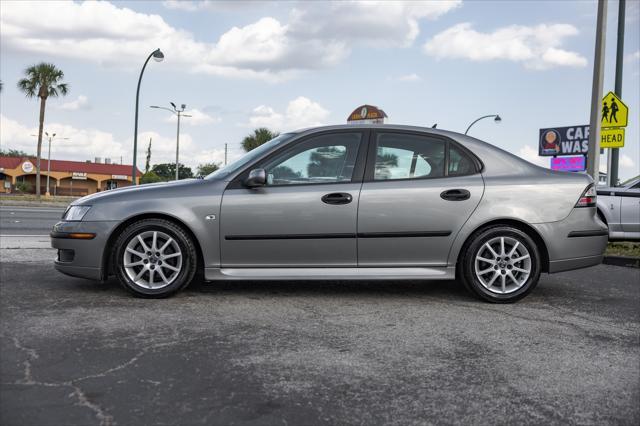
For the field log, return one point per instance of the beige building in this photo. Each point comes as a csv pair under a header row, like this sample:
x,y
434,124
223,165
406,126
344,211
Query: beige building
x,y
74,178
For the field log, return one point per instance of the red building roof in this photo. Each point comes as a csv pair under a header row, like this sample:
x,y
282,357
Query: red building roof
x,y
70,166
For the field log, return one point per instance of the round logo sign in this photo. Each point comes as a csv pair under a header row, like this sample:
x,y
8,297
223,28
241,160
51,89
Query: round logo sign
x,y
550,142
27,167
363,112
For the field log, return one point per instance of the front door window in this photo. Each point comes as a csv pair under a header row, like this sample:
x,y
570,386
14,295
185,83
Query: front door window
x,y
322,159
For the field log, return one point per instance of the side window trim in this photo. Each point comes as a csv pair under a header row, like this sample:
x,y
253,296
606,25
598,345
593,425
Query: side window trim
x,y
358,170
371,156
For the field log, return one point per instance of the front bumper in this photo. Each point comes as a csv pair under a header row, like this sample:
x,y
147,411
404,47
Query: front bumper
x,y
82,257
578,241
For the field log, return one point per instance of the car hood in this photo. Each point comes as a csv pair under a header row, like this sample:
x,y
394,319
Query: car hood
x,y
158,189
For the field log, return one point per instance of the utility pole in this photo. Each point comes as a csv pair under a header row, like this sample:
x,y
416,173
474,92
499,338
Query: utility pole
x,y
593,156
612,170
225,154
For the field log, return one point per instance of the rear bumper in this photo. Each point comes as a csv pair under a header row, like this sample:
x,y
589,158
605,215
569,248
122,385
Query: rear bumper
x,y
81,257
575,263
578,241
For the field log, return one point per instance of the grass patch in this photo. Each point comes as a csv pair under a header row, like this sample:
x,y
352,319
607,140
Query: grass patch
x,y
30,199
623,249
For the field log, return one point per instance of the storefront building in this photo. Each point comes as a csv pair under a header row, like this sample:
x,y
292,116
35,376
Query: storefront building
x,y
74,178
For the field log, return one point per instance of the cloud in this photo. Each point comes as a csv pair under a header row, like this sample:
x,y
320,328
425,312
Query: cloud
x,y
265,116
80,103
300,113
409,77
626,162
214,5
198,118
376,23
537,47
86,144
530,154
631,57
316,35
83,144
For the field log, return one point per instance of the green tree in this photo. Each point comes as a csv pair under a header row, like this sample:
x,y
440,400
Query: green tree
x,y
150,177
13,153
257,138
167,171
206,169
147,165
43,81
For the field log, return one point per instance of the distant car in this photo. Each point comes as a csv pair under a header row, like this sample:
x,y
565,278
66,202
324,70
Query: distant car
x,y
619,208
343,202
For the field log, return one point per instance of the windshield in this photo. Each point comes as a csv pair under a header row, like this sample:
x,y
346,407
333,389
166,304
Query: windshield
x,y
249,156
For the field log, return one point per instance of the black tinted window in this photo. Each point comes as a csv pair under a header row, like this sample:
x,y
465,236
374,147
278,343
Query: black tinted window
x,y
460,163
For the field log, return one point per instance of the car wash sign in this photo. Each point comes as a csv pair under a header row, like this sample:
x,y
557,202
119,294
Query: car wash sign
x,y
559,141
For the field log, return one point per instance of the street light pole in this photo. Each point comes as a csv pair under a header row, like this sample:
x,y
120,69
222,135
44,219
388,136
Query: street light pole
x,y
178,143
50,138
179,113
497,119
593,155
158,56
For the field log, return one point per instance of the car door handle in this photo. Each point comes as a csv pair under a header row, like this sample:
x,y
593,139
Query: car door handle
x,y
337,198
455,195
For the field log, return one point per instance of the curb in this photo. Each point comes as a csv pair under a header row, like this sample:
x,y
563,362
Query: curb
x,y
626,261
16,203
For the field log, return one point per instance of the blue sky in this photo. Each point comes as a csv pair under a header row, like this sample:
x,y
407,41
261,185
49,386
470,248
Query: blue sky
x,y
295,64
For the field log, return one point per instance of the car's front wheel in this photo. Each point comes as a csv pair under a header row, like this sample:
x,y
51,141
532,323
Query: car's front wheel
x,y
154,258
501,264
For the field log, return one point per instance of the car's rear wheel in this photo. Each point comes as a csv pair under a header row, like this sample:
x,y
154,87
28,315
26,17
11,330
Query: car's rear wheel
x,y
501,264
154,258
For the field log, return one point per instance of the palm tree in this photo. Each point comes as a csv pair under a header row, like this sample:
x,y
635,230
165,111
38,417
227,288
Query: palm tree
x,y
44,81
258,137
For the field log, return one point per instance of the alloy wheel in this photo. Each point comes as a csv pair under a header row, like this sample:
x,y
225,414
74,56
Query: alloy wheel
x,y
503,265
152,259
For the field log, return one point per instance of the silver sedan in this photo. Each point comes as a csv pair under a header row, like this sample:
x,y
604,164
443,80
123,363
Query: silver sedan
x,y
619,208
343,202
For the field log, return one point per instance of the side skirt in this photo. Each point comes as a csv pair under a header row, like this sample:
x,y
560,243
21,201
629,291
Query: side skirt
x,y
278,274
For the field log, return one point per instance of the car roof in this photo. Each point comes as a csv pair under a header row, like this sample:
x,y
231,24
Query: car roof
x,y
376,126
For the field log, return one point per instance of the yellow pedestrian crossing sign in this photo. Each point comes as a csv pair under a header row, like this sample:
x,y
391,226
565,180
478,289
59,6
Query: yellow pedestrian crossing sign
x,y
614,111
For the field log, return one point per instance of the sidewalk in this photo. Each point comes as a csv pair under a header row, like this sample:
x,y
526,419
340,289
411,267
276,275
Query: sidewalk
x,y
26,248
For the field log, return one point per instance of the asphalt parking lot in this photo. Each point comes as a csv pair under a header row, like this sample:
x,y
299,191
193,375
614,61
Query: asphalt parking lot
x,y
77,352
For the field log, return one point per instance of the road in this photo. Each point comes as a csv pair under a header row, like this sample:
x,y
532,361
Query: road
x,y
28,220
77,352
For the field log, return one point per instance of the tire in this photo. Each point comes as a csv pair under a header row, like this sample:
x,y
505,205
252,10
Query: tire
x,y
484,264
154,258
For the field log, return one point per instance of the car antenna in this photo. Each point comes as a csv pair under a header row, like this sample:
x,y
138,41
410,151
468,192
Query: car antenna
x,y
434,126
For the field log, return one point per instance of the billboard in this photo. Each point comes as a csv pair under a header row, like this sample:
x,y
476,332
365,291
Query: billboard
x,y
569,164
572,140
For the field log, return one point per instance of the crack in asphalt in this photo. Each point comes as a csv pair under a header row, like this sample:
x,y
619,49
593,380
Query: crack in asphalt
x,y
84,401
78,393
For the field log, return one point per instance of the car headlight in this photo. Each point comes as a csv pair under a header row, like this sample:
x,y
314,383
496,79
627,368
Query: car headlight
x,y
75,213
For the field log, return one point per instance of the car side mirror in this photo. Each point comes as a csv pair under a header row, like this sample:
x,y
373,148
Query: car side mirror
x,y
257,177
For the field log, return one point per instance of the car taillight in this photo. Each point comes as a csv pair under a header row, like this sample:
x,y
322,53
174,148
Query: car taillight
x,y
588,197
